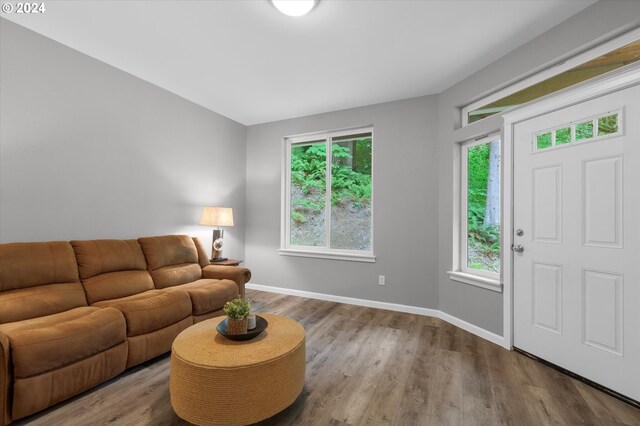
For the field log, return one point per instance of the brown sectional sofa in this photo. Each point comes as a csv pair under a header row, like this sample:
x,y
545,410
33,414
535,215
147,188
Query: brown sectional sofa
x,y
73,315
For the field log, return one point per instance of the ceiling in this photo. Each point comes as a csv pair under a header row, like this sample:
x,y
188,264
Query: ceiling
x,y
247,61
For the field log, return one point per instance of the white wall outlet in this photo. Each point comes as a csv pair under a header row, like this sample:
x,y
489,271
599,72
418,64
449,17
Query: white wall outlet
x,y
381,280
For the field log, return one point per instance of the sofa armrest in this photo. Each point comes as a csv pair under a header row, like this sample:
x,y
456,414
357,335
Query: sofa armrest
x,y
5,380
240,275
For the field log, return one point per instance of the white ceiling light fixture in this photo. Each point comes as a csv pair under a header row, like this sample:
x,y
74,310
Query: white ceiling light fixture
x,y
294,7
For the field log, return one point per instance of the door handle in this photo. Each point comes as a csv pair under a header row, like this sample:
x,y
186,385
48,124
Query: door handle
x,y
517,248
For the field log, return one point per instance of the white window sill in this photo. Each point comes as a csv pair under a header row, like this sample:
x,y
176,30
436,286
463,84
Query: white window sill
x,y
353,257
476,280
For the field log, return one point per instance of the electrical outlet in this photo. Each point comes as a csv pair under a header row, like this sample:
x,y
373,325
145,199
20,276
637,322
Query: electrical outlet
x,y
381,280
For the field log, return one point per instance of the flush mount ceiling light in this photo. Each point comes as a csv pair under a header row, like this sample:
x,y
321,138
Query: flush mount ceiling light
x,y
294,7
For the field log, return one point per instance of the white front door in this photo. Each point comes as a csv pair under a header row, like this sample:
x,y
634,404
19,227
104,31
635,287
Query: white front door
x,y
577,203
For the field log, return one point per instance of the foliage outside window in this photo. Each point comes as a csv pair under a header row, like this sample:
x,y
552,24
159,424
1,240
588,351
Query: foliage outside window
x,y
329,192
480,209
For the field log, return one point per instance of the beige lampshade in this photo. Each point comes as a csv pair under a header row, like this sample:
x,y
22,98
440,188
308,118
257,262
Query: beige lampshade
x,y
217,216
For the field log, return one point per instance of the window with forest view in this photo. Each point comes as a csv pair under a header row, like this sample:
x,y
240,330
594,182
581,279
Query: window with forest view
x,y
480,248
329,192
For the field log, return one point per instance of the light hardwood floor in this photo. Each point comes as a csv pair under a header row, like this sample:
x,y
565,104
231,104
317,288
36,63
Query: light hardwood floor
x,y
370,366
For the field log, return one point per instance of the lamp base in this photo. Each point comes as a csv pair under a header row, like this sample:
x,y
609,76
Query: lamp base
x,y
219,259
216,244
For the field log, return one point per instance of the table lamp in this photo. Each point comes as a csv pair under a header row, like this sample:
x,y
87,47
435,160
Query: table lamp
x,y
217,216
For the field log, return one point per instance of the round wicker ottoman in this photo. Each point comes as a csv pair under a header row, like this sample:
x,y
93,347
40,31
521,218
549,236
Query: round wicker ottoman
x,y
216,381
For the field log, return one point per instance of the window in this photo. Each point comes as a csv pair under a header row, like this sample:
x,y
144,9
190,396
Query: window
x,y
328,210
590,129
583,67
480,212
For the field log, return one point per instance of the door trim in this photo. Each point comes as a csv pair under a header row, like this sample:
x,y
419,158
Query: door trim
x,y
600,86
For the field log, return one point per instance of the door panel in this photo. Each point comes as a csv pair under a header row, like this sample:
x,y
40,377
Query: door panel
x,y
602,310
576,286
547,204
547,297
602,195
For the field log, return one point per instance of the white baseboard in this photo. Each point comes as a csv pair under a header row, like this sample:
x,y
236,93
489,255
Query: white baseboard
x,y
348,300
473,329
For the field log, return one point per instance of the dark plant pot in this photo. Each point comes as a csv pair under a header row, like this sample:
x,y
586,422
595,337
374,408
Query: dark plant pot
x,y
236,326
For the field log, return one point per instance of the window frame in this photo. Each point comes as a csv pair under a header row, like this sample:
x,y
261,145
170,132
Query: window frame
x,y
464,273
324,252
550,71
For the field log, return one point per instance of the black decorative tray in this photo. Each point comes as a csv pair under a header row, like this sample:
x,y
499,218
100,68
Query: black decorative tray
x,y
261,325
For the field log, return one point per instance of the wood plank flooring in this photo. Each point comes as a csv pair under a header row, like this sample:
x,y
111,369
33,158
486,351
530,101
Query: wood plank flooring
x,y
368,366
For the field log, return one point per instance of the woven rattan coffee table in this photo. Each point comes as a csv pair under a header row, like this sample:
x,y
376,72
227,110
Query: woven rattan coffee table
x,y
216,381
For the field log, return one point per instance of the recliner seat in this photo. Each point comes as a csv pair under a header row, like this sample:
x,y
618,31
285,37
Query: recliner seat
x,y
176,263
114,274
52,345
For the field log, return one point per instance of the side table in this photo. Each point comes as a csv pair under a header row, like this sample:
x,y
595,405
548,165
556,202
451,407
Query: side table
x,y
228,262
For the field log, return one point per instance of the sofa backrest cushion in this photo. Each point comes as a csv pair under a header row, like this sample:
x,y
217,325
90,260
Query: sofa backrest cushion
x,y
101,256
171,259
111,269
25,265
38,279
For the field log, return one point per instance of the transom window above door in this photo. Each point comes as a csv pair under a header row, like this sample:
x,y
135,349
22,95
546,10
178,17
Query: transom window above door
x,y
610,56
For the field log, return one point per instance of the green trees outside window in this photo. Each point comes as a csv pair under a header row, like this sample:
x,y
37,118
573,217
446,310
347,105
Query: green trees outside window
x,y
483,207
350,193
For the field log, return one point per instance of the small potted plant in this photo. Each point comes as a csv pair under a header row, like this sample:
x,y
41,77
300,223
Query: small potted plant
x,y
237,311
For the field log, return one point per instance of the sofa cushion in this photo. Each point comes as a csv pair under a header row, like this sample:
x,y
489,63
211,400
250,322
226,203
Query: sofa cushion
x,y
33,302
209,295
25,265
38,279
101,256
168,250
171,259
46,343
111,269
152,310
173,275
115,285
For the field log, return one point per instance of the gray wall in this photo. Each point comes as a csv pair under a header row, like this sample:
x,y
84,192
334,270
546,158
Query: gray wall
x,y
89,151
405,212
597,23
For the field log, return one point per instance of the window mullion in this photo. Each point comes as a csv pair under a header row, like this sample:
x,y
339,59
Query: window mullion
x,y
327,206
